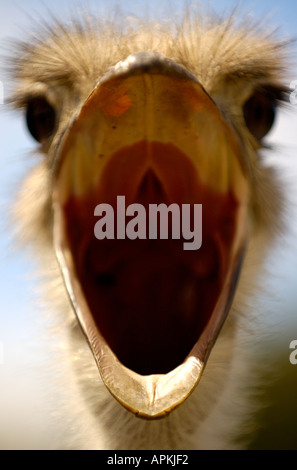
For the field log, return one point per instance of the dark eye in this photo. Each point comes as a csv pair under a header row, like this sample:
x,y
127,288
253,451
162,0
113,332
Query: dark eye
x,y
41,118
259,113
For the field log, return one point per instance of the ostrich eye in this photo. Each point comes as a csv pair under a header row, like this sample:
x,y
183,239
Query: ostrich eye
x,y
259,113
41,118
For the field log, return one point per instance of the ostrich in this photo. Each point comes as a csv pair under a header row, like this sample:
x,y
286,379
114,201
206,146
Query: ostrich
x,y
160,115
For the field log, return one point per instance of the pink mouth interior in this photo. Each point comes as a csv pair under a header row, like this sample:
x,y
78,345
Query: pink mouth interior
x,y
151,299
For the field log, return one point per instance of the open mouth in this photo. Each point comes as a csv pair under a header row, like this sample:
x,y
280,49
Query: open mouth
x,y
151,310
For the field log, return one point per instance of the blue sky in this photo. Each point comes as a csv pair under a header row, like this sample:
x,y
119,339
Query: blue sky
x,y
17,288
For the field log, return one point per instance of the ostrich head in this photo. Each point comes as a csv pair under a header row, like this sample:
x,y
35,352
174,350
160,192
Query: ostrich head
x,y
159,116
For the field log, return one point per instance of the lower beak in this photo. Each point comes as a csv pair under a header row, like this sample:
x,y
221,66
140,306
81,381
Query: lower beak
x,y
150,302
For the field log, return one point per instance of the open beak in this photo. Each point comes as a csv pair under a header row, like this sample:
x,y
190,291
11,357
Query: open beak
x,y
150,309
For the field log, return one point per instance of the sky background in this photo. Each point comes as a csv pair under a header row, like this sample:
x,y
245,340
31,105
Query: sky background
x,y
19,316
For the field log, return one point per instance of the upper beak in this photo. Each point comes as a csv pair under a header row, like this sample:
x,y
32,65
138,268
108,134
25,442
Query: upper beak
x,y
151,311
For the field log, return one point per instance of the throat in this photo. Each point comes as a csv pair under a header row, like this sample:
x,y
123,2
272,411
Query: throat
x,y
151,299
148,301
